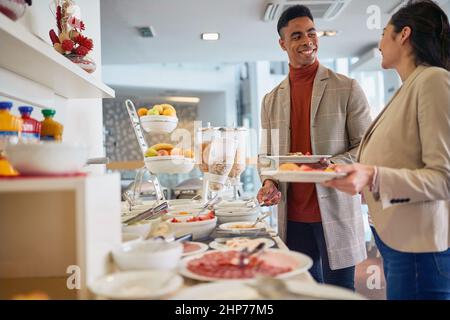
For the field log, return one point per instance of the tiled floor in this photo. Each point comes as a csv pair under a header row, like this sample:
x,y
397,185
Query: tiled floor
x,y
369,277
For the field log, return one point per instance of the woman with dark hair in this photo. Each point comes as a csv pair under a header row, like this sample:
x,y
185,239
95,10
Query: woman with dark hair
x,y
404,157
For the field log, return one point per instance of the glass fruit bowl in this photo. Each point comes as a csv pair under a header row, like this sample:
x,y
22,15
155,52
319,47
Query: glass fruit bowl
x,y
83,62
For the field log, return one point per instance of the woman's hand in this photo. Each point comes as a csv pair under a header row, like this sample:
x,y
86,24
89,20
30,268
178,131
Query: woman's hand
x,y
358,177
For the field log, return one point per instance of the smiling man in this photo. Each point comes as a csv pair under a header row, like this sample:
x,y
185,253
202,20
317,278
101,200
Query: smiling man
x,y
318,111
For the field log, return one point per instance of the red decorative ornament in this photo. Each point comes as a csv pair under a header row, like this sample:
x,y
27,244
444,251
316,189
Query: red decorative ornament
x,y
82,51
58,18
84,41
54,37
67,45
69,41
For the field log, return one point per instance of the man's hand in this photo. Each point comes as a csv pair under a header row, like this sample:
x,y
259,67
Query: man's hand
x,y
269,194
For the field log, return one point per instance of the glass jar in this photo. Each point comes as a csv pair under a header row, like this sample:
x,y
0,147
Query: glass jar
x,y
204,138
241,154
221,158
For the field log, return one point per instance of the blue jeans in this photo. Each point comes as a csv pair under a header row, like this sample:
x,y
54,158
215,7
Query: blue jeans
x,y
308,238
415,276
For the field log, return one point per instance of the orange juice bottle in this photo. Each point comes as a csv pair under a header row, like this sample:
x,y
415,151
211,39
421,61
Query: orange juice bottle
x,y
10,129
51,130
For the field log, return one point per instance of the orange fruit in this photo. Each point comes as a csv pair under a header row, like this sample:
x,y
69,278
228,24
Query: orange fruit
x,y
142,112
288,167
169,112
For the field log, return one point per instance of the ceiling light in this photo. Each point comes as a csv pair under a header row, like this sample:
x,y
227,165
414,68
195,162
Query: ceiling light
x,y
210,36
330,33
183,99
327,33
146,32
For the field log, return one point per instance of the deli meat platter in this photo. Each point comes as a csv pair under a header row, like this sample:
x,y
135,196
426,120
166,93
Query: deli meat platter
x,y
219,265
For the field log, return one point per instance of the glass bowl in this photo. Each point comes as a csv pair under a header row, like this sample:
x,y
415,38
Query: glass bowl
x,y
13,9
84,62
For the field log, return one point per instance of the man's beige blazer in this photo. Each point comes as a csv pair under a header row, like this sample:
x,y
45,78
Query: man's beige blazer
x,y
339,117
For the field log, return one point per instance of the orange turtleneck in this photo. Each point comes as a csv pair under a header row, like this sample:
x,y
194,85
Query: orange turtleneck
x,y
302,205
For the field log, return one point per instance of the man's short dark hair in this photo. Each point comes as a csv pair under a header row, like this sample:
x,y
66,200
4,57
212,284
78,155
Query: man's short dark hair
x,y
291,13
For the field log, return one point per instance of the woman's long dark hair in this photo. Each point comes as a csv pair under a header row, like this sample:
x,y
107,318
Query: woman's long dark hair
x,y
430,36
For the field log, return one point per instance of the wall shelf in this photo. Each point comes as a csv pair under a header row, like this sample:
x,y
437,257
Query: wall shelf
x,y
51,224
19,49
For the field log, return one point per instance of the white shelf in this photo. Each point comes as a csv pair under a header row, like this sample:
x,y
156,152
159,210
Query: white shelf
x,y
20,49
48,184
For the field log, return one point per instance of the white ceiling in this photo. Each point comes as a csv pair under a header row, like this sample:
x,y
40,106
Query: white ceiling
x,y
244,35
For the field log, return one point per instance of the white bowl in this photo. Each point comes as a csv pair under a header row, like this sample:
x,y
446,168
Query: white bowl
x,y
137,285
47,158
128,237
159,123
230,226
149,254
231,204
191,209
143,228
199,229
225,216
169,164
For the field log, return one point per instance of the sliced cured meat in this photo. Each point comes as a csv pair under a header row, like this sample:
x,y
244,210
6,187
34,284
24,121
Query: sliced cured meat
x,y
190,247
225,265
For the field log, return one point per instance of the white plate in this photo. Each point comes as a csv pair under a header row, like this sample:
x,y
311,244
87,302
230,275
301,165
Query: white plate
x,y
222,290
232,290
303,176
231,203
278,257
202,248
299,159
229,226
321,291
137,285
222,246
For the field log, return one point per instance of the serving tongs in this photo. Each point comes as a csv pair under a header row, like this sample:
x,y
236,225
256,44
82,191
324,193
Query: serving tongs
x,y
148,214
245,255
209,205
